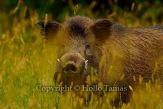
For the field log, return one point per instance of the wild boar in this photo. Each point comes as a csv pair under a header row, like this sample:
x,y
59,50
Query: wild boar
x,y
112,53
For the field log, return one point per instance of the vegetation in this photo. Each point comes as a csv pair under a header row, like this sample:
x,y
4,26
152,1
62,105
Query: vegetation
x,y
26,62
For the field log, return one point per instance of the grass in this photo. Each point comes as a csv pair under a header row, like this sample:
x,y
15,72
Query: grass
x,y
26,61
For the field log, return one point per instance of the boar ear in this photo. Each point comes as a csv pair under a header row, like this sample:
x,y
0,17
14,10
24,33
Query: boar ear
x,y
101,29
48,29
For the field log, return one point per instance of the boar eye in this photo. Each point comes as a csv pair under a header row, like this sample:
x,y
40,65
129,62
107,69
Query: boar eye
x,y
88,50
87,46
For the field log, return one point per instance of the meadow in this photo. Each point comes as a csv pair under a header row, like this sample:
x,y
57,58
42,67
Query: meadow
x,y
27,61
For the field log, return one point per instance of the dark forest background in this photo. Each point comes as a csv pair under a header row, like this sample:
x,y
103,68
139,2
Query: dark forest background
x,y
142,9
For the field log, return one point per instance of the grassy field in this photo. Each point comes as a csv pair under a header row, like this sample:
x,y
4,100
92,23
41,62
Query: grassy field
x,y
26,61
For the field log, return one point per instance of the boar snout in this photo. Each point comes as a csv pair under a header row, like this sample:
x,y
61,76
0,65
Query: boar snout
x,y
70,67
73,63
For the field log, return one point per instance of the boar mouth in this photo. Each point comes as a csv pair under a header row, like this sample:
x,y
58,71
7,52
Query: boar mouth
x,y
70,73
72,70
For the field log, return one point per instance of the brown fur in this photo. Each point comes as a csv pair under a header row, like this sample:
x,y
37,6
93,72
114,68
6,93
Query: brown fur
x,y
118,54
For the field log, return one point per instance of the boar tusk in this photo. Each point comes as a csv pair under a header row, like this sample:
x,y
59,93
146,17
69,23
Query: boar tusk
x,y
58,60
86,64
